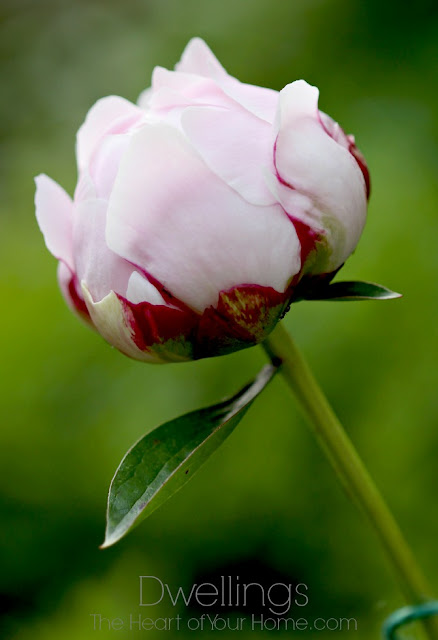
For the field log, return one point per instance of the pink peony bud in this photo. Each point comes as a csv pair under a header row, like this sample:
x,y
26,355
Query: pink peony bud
x,y
198,211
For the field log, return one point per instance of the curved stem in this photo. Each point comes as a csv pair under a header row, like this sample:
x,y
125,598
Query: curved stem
x,y
350,468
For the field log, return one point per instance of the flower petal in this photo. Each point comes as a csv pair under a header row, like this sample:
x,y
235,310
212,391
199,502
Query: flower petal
x,y
69,285
236,145
244,316
260,101
109,115
309,161
198,58
146,332
113,324
96,265
54,212
172,89
106,163
144,98
165,331
175,219
141,290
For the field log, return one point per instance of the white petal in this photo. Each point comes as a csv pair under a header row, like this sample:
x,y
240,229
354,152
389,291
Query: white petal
x,y
173,217
54,212
110,319
297,100
141,290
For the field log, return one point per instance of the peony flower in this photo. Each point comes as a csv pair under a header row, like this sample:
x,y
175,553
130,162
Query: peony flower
x,y
200,210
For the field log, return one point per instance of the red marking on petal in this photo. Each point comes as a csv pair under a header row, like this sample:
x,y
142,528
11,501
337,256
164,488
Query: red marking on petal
x,y
167,296
156,324
72,292
244,316
77,300
357,155
277,173
307,237
336,132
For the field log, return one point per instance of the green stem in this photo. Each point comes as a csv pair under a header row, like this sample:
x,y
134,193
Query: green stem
x,y
350,468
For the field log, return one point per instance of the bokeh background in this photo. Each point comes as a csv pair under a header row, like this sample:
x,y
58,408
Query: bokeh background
x,y
266,507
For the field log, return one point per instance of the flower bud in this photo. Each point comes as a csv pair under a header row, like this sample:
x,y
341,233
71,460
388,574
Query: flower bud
x,y
199,210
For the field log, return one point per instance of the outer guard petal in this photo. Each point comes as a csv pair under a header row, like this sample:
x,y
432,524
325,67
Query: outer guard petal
x,y
141,290
111,320
102,269
173,217
54,212
244,316
147,332
312,163
165,332
69,285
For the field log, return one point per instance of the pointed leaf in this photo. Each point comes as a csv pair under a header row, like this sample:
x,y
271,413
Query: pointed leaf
x,y
354,290
162,461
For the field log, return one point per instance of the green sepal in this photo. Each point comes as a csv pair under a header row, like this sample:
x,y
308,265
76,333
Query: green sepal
x,y
346,291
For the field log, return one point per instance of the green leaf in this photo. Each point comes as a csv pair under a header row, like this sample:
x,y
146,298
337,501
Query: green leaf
x,y
162,461
344,291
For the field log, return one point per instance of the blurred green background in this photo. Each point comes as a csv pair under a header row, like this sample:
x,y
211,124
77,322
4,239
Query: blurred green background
x,y
266,506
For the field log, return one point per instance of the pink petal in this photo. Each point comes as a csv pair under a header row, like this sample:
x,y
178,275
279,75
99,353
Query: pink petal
x,y
236,145
313,164
96,265
144,98
260,101
54,212
85,188
105,163
167,98
169,214
70,288
109,115
336,132
172,89
197,58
